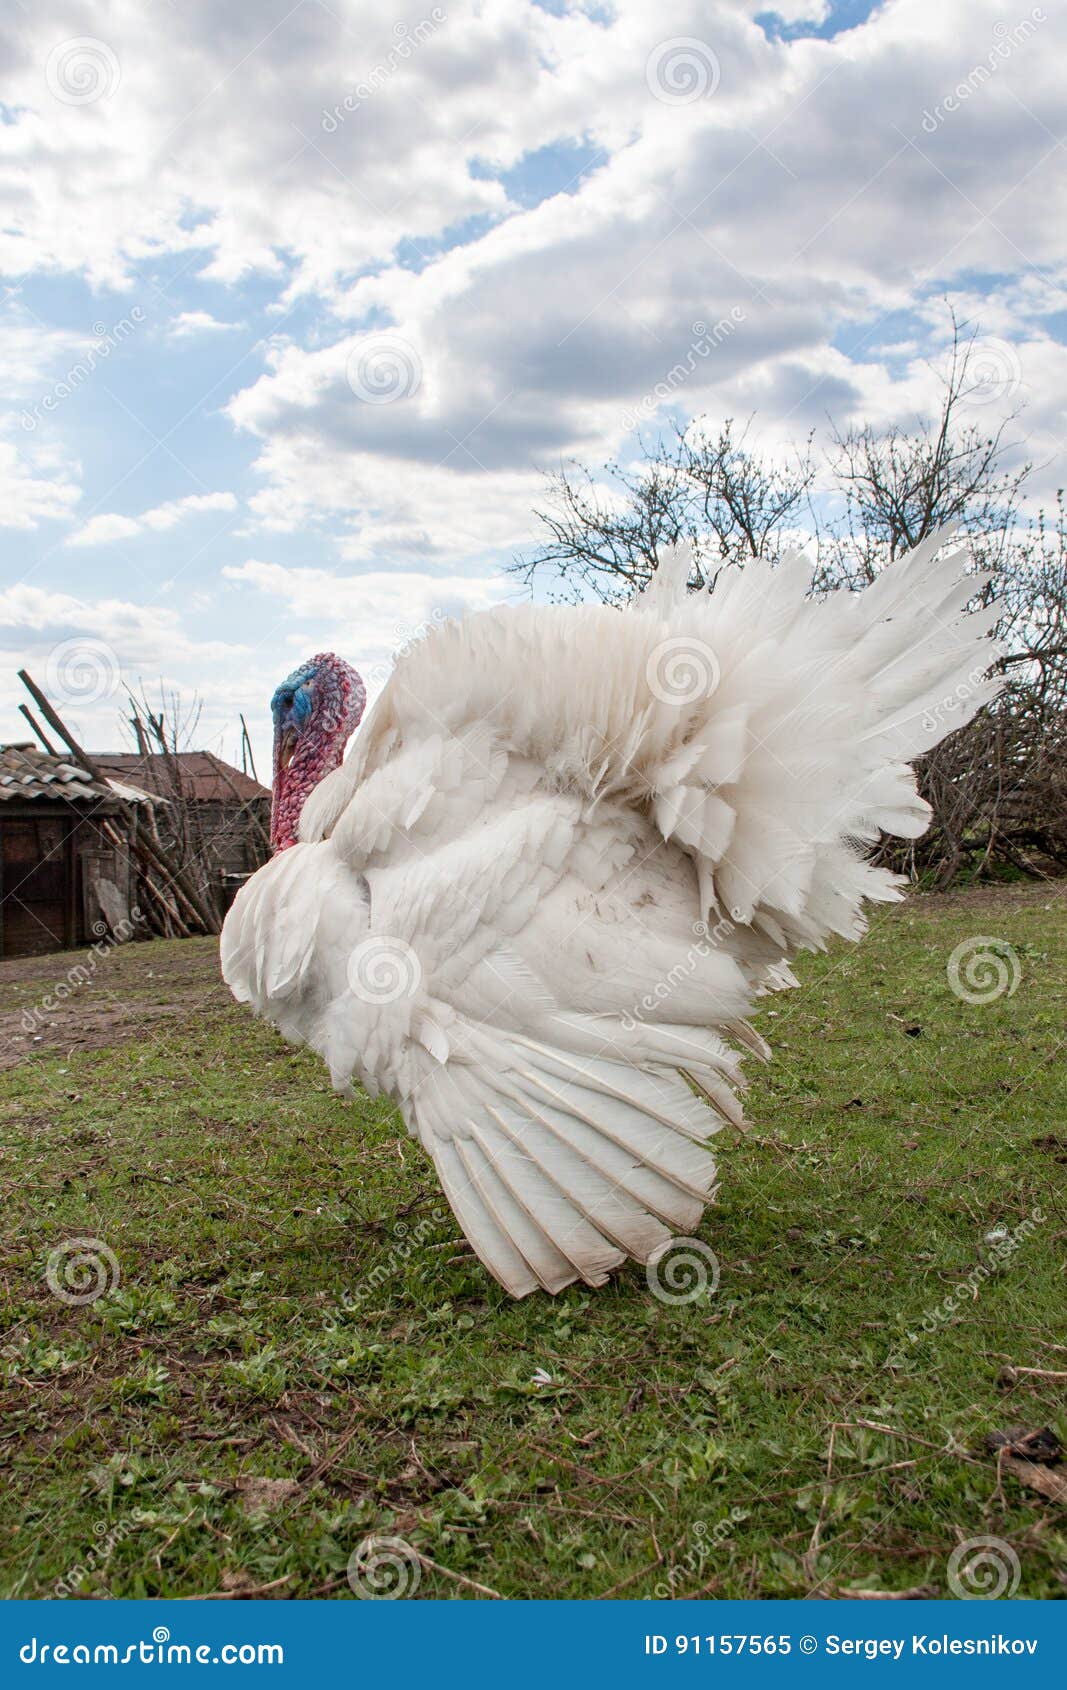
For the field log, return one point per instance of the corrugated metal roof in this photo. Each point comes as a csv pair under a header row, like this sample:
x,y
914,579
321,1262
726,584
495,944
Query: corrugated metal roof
x,y
26,772
200,775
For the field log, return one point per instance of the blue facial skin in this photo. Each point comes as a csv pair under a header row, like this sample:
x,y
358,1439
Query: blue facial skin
x,y
291,704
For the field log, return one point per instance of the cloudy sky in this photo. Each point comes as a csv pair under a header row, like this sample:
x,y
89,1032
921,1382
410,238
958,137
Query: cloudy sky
x,y
300,301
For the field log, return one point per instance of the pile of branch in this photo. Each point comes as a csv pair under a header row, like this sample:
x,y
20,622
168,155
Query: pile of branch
x,y
194,834
173,905
998,791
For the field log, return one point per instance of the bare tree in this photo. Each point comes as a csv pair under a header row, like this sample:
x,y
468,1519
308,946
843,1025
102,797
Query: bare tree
x,y
730,500
201,834
747,501
898,486
998,788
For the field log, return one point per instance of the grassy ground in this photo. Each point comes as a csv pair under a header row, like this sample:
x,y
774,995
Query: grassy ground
x,y
298,1353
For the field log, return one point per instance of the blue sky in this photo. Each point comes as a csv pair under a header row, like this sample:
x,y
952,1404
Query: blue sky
x,y
300,302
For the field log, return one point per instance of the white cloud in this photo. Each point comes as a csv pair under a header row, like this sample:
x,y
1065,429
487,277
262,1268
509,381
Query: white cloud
x,y
34,486
188,323
28,349
381,509
366,617
87,651
38,480
143,635
110,525
213,142
361,180
805,195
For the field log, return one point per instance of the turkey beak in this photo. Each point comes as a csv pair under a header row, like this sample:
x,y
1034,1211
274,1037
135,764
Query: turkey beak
x,y
288,746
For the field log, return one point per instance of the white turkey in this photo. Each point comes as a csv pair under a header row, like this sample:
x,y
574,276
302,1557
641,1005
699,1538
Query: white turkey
x,y
569,848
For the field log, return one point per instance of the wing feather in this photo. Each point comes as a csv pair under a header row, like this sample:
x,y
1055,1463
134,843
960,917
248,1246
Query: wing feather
x,y
546,811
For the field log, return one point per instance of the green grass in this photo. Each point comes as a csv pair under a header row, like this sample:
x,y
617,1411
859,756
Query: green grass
x,y
293,1306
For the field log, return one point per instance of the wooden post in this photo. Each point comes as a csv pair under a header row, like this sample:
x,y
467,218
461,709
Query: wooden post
x,y
38,730
138,728
246,749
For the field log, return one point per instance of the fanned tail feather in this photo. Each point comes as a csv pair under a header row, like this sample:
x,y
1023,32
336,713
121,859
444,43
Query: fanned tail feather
x,y
563,1166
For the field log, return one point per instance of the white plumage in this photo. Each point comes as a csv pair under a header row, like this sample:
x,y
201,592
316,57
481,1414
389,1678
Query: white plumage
x,y
568,849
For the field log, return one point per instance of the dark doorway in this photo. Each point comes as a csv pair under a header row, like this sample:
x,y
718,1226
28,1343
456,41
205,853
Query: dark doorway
x,y
36,885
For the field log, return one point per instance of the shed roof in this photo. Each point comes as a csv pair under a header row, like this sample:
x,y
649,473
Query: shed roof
x,y
200,775
26,772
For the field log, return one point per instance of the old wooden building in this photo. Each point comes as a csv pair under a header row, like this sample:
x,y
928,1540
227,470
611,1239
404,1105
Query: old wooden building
x,y
66,861
120,844
214,819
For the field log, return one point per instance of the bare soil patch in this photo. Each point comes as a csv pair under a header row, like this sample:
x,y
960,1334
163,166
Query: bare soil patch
x,y
86,999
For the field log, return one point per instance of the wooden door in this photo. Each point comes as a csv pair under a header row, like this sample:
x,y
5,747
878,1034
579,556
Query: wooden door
x,y
36,885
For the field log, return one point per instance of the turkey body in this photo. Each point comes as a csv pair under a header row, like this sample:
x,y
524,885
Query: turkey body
x,y
568,849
